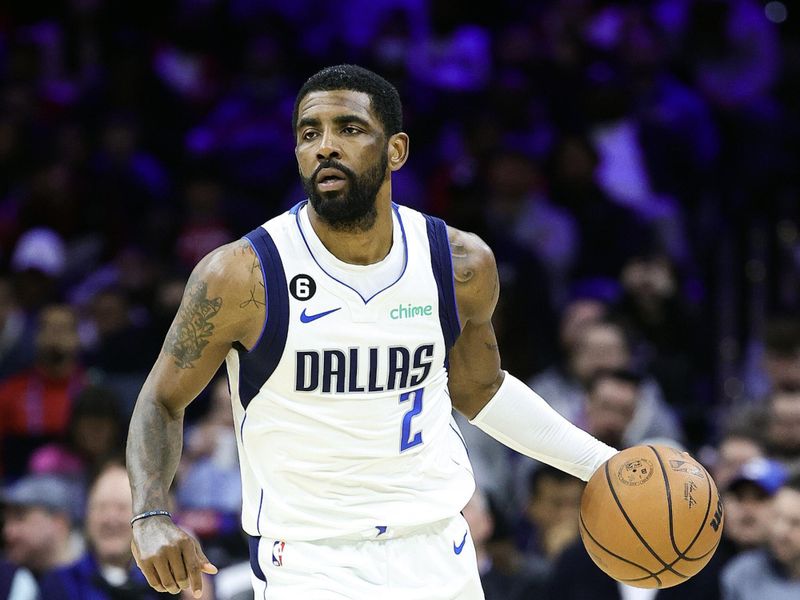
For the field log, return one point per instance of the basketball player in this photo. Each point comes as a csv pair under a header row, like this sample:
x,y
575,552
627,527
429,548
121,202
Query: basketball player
x,y
350,327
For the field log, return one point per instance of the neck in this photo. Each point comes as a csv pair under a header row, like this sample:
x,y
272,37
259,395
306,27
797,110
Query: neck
x,y
358,247
57,556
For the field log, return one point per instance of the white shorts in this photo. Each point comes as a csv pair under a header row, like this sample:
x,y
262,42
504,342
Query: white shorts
x,y
431,562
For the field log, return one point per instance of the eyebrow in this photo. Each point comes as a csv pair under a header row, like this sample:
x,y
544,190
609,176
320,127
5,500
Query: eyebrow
x,y
338,120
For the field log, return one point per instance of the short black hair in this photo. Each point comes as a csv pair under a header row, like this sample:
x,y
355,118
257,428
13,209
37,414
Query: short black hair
x,y
384,98
546,471
629,376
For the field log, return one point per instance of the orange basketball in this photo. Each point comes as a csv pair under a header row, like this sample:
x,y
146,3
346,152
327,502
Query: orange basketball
x,y
651,517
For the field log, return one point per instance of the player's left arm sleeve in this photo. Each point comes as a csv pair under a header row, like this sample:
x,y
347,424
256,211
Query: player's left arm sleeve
x,y
521,419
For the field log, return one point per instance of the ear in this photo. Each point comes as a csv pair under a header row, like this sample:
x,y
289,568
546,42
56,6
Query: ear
x,y
398,150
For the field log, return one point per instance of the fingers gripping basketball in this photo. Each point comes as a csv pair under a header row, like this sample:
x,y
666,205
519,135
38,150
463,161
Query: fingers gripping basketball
x,y
651,517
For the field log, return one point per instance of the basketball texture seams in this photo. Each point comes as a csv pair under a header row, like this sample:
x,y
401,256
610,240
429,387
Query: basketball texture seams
x,y
651,516
705,481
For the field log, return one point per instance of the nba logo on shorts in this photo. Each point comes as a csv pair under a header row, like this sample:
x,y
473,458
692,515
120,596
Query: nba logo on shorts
x,y
277,553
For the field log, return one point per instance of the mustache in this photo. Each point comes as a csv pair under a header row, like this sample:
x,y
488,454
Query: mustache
x,y
332,164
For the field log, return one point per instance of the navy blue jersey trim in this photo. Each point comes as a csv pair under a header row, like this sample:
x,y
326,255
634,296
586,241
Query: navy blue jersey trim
x,y
252,543
258,516
442,264
256,366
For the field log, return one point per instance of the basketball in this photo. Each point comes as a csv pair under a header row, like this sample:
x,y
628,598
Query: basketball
x,y
651,517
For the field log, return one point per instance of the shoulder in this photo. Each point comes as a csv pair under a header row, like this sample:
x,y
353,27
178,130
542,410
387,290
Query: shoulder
x,y
474,273
67,581
227,272
747,567
232,263
228,286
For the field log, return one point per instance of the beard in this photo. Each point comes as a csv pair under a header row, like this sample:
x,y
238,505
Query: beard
x,y
353,208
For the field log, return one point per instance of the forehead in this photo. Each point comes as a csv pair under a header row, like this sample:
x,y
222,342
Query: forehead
x,y
329,103
56,316
786,404
113,484
617,389
788,501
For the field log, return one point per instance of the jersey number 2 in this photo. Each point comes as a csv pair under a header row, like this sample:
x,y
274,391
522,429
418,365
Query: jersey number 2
x,y
406,441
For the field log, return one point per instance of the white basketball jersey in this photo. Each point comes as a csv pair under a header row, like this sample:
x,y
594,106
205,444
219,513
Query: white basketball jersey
x,y
344,420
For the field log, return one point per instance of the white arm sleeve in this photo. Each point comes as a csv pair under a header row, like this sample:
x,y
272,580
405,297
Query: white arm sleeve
x,y
518,417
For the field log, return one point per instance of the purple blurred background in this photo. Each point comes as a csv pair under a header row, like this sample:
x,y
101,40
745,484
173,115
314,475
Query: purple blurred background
x,y
627,160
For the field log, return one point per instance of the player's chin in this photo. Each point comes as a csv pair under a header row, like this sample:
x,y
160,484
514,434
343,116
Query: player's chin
x,y
332,195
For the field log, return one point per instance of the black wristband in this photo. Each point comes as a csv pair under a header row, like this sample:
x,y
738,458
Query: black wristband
x,y
150,513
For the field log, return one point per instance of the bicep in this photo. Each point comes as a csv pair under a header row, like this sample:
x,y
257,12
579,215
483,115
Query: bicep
x,y
209,320
475,373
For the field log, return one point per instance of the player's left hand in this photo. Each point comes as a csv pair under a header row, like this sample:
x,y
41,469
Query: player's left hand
x,y
170,558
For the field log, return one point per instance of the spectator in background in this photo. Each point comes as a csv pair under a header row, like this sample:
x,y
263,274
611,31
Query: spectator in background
x,y
611,401
122,169
37,263
16,351
773,363
520,584
782,354
532,241
607,233
783,427
203,224
738,445
651,306
550,520
603,346
732,53
123,345
747,506
107,570
518,208
35,404
576,577
17,583
493,465
96,432
455,56
774,571
39,512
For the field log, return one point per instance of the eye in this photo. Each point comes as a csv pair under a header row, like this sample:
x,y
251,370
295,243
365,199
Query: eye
x,y
351,130
308,134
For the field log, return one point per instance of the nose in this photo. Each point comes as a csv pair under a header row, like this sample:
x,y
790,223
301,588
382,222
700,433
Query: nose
x,y
328,148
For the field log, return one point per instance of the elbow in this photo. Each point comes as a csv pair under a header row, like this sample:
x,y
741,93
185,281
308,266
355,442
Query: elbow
x,y
469,401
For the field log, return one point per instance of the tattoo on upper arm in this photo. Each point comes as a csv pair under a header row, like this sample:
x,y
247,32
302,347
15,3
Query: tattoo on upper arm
x,y
191,330
258,286
461,270
252,300
244,248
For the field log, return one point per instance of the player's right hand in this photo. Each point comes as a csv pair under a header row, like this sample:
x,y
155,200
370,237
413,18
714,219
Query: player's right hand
x,y
169,558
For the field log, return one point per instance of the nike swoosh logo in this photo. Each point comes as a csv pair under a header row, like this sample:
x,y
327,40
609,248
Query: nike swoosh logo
x,y
460,547
306,318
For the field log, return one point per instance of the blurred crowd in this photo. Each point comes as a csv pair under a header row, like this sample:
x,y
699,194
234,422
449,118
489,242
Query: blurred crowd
x,y
633,165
